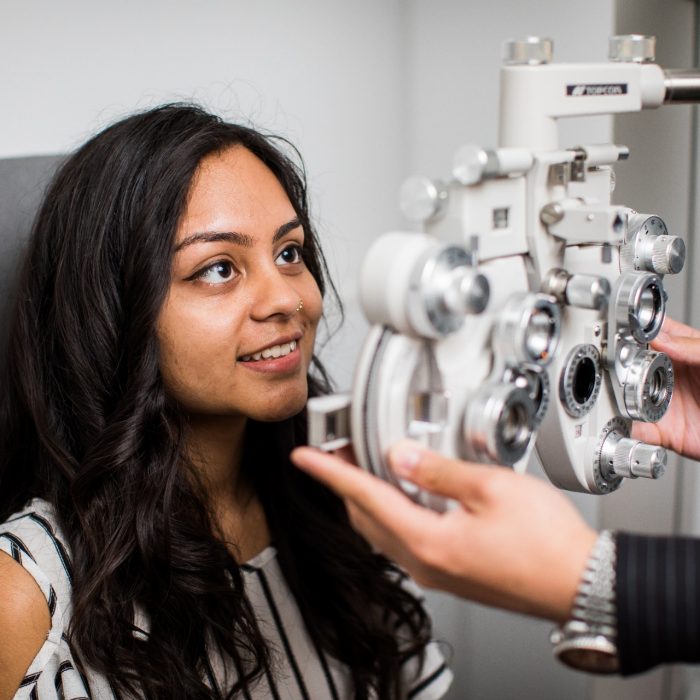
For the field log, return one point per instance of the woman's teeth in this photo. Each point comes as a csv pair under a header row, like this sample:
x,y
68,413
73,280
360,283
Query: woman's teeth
x,y
274,351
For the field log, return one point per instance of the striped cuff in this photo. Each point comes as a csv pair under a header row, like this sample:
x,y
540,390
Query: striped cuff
x,y
658,601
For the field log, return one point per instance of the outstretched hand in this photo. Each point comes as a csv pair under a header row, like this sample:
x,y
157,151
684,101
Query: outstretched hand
x,y
511,541
679,429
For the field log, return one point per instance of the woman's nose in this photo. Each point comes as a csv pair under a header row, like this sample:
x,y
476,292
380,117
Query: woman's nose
x,y
274,295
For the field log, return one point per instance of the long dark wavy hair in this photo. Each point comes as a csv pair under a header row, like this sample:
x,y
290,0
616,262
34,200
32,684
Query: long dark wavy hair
x,y
86,423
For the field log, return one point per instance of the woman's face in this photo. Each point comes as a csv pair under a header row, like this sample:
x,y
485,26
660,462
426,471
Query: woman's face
x,y
237,328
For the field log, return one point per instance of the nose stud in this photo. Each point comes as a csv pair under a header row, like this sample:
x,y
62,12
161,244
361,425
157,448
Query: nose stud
x,y
300,306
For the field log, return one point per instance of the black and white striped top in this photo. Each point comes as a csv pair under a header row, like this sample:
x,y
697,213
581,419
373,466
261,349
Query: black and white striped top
x,y
302,671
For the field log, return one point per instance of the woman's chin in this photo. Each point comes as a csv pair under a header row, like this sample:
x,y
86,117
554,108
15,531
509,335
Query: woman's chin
x,y
275,414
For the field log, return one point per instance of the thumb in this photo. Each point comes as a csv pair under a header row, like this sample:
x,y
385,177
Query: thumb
x,y
453,478
679,348
647,432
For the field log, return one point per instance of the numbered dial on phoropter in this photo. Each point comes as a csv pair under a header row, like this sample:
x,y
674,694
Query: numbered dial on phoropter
x,y
606,480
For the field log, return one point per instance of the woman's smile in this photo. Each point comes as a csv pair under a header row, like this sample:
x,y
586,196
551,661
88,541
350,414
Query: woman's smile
x,y
282,356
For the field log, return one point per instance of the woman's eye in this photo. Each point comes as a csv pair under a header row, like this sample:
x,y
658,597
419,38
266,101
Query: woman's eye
x,y
218,273
290,255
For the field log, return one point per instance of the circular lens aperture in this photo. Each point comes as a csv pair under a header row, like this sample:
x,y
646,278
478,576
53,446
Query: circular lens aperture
x,y
640,305
499,423
650,305
584,380
580,380
648,386
515,426
658,387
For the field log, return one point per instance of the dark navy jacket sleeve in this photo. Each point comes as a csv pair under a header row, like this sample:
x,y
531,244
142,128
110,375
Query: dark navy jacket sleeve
x,y
658,601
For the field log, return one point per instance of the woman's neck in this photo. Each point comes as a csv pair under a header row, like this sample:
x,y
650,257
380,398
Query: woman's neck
x,y
215,446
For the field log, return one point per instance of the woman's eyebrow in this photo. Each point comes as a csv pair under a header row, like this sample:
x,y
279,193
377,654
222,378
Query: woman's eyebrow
x,y
284,229
235,237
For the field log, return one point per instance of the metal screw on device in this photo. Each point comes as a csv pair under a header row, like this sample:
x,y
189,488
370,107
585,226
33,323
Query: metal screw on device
x,y
532,51
632,48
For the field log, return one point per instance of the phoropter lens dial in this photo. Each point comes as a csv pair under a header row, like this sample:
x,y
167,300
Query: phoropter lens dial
x,y
528,330
640,305
499,423
648,386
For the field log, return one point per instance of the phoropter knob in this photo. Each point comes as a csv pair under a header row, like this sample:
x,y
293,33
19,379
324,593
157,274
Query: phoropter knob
x,y
632,48
668,255
587,291
420,286
467,291
634,458
422,199
531,51
583,291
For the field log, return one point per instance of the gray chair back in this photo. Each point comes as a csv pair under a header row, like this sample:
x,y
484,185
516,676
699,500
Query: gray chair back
x,y
23,182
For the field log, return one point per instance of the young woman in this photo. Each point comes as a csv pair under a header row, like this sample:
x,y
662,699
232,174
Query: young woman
x,y
156,541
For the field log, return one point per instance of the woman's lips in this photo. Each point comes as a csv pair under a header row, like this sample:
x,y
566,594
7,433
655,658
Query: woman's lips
x,y
285,364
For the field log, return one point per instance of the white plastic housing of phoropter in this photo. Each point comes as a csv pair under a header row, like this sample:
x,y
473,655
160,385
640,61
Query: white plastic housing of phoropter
x,y
603,262
523,313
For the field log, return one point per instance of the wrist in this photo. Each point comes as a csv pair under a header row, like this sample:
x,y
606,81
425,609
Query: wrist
x,y
588,639
575,559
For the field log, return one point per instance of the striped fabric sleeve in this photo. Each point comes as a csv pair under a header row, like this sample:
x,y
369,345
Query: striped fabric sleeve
x,y
658,601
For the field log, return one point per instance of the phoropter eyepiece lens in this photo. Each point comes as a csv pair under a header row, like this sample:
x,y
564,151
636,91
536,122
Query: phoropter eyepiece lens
x,y
515,426
650,305
540,334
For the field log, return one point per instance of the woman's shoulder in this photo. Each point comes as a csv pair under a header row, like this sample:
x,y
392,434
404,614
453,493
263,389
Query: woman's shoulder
x,y
24,619
32,538
35,568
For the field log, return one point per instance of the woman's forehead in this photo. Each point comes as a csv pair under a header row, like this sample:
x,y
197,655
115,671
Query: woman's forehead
x,y
234,190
